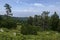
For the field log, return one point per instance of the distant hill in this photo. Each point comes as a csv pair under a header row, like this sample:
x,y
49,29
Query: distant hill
x,y
20,18
16,18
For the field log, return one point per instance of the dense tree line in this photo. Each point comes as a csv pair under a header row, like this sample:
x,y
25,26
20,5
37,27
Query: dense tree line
x,y
45,21
7,23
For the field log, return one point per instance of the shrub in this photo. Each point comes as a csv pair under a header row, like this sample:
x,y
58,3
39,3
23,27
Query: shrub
x,y
9,24
28,29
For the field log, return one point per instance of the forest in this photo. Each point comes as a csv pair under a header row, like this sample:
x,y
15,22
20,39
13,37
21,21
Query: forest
x,y
39,27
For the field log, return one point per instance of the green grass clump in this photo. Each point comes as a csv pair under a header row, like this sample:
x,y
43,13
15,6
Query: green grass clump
x,y
44,36
10,36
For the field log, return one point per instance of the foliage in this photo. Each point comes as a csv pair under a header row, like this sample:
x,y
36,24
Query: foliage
x,y
9,36
28,29
8,23
45,35
54,21
58,28
8,9
30,20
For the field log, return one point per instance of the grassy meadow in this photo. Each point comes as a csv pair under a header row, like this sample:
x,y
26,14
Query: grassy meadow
x,y
14,34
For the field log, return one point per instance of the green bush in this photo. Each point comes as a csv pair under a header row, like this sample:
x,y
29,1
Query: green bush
x,y
9,24
28,29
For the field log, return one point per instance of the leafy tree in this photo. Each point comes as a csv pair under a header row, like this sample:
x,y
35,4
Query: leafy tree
x,y
45,20
30,20
36,20
54,21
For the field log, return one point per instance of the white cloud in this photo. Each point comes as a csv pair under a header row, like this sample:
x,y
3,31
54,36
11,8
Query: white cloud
x,y
27,10
39,5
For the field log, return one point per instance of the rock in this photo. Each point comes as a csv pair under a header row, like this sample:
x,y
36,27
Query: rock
x,y
47,32
14,33
56,33
1,30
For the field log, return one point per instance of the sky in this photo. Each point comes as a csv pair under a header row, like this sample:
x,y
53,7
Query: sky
x,y
25,8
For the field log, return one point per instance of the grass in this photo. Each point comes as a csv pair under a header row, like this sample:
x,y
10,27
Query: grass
x,y
40,36
45,35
